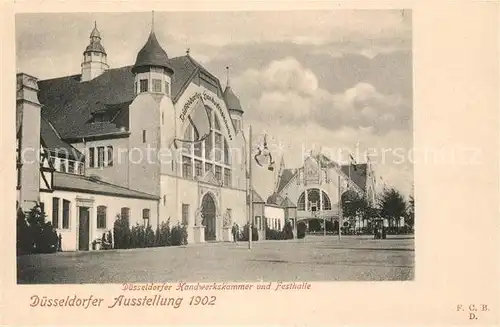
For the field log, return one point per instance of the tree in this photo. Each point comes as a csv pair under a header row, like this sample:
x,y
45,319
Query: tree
x,y
34,234
392,205
411,212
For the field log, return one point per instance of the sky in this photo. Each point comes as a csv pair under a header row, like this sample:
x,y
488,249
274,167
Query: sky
x,y
310,80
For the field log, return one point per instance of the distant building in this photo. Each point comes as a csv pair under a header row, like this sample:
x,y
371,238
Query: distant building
x,y
314,187
123,141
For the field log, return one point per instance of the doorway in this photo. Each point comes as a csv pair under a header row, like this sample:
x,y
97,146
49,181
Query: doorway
x,y
208,212
83,228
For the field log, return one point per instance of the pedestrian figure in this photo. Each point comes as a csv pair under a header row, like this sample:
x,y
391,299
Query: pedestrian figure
x,y
234,230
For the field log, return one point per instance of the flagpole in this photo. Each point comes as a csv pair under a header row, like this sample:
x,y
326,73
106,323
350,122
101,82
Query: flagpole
x,y
340,209
250,187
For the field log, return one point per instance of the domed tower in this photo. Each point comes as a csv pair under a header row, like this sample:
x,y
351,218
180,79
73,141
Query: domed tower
x,y
233,105
152,69
95,60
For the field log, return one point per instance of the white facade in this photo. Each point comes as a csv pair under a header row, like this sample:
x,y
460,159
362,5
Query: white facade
x,y
69,226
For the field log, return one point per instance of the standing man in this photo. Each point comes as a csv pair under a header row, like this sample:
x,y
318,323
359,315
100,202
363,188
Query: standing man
x,y
235,230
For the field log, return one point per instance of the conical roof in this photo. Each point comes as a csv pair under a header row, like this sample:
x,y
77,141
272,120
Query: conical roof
x,y
95,32
152,54
232,101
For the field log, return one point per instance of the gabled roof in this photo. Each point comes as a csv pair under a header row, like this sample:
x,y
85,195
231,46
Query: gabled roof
x,y
68,103
79,183
257,198
53,142
287,203
286,176
358,174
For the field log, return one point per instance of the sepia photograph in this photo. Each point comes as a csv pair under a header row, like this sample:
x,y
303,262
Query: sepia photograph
x,y
215,147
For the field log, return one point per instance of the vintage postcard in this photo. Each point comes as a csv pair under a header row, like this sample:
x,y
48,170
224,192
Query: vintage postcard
x,y
301,164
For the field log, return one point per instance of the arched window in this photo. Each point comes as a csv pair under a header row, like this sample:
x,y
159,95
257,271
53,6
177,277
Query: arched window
x,y
145,217
213,154
101,217
313,200
125,213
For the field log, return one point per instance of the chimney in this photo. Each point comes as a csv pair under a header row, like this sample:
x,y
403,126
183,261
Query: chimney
x,y
28,111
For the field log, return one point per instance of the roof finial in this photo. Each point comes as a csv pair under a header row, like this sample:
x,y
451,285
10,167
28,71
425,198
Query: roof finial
x,y
95,23
188,50
227,77
152,21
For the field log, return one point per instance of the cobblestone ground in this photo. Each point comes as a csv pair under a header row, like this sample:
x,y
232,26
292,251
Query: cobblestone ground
x,y
315,258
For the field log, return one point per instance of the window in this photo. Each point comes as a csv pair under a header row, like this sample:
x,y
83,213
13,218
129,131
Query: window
x,y
143,136
208,148
208,167
125,213
157,85
55,212
143,85
145,217
198,149
185,214
187,167
110,157
227,156
91,157
100,156
218,173
63,165
71,166
301,204
167,89
101,217
65,218
227,177
198,169
218,147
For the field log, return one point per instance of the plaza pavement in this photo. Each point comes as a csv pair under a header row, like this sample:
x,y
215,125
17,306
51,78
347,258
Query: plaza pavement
x,y
314,258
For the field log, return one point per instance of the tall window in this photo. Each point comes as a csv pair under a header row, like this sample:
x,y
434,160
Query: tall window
x,y
187,167
157,85
91,157
227,177
101,217
145,217
110,157
66,212
185,214
71,166
218,173
143,85
143,136
198,169
100,156
218,147
55,212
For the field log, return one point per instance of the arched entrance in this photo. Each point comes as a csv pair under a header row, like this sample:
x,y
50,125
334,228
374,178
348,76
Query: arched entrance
x,y
208,211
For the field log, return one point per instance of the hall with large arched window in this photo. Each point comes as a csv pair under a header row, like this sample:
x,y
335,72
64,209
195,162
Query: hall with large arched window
x,y
314,202
211,155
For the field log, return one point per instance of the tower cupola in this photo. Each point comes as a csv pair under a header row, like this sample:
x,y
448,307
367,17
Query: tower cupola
x,y
152,68
95,60
233,105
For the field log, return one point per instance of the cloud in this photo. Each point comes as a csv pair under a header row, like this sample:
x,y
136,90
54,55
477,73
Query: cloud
x,y
287,92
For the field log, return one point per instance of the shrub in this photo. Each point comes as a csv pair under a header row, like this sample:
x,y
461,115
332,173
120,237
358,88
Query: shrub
x,y
122,233
110,239
163,234
138,239
301,230
272,234
179,235
149,237
34,234
244,234
288,230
